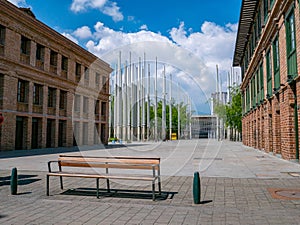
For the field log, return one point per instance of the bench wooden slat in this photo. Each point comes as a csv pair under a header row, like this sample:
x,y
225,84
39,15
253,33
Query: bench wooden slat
x,y
110,160
111,165
104,176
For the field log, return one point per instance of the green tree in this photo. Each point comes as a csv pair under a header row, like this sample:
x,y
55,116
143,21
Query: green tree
x,y
234,109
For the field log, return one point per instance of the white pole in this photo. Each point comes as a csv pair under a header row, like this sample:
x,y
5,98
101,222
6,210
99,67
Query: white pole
x,y
129,98
125,110
116,102
164,106
138,101
119,128
155,104
217,101
143,100
178,113
148,104
133,102
170,109
110,109
190,119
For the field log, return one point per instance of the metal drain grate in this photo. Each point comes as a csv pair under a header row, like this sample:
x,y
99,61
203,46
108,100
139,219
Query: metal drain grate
x,y
289,193
285,194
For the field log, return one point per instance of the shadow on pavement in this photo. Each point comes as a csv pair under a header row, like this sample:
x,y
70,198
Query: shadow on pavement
x,y
47,151
118,193
22,180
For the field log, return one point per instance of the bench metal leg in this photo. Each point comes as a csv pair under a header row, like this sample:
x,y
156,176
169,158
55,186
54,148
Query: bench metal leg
x,y
47,185
153,190
61,183
159,186
108,186
97,183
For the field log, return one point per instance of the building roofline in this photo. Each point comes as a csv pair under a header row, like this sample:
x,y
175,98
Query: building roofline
x,y
36,24
247,14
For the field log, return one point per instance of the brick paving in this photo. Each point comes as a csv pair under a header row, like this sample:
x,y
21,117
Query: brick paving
x,y
224,200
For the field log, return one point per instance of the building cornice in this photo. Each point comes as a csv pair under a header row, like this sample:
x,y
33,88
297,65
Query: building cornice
x,y
48,36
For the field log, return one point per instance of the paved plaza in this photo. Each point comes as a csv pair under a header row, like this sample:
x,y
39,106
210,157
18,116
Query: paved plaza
x,y
238,186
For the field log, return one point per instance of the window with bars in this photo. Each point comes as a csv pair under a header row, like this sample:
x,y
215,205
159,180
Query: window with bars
x,y
269,74
257,89
23,87
85,104
51,97
104,84
97,105
53,58
25,50
2,39
77,103
78,71
63,100
291,45
97,78
86,73
64,63
37,94
25,45
261,75
40,55
40,52
103,108
2,35
276,68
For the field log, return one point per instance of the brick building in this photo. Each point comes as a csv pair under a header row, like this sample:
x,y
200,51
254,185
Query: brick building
x,y
268,52
52,92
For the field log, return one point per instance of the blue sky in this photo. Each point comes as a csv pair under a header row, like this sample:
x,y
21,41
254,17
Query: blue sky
x,y
205,31
158,15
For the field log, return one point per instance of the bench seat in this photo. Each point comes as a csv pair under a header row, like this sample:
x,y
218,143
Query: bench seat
x,y
82,163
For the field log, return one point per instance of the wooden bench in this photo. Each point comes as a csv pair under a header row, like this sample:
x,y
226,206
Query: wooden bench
x,y
90,167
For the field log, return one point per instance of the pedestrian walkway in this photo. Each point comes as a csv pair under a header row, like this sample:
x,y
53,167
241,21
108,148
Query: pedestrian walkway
x,y
236,188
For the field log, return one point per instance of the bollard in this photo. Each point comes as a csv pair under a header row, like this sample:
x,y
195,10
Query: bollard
x,y
14,181
196,188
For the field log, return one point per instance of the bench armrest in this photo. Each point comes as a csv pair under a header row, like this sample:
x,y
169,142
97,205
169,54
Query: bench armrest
x,y
49,165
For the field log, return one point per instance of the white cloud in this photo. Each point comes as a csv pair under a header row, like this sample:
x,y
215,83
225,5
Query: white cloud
x,y
114,11
105,6
214,44
70,37
191,57
83,32
19,3
144,27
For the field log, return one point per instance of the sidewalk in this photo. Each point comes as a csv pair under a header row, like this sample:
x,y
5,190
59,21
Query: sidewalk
x,y
235,189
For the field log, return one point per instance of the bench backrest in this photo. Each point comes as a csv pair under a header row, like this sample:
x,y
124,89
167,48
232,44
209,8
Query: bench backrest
x,y
121,162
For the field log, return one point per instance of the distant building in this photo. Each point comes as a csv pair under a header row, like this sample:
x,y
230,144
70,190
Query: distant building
x,y
267,50
203,126
52,92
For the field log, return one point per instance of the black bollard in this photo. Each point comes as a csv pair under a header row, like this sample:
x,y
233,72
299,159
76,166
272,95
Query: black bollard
x,y
14,181
196,188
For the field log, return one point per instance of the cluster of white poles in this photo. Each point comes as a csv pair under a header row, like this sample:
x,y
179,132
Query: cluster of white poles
x,y
233,79
130,100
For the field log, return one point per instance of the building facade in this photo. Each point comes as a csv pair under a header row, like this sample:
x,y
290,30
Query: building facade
x,y
203,126
268,52
52,92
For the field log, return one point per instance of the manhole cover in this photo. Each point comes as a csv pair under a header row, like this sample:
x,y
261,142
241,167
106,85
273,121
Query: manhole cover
x,y
294,174
286,194
289,193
